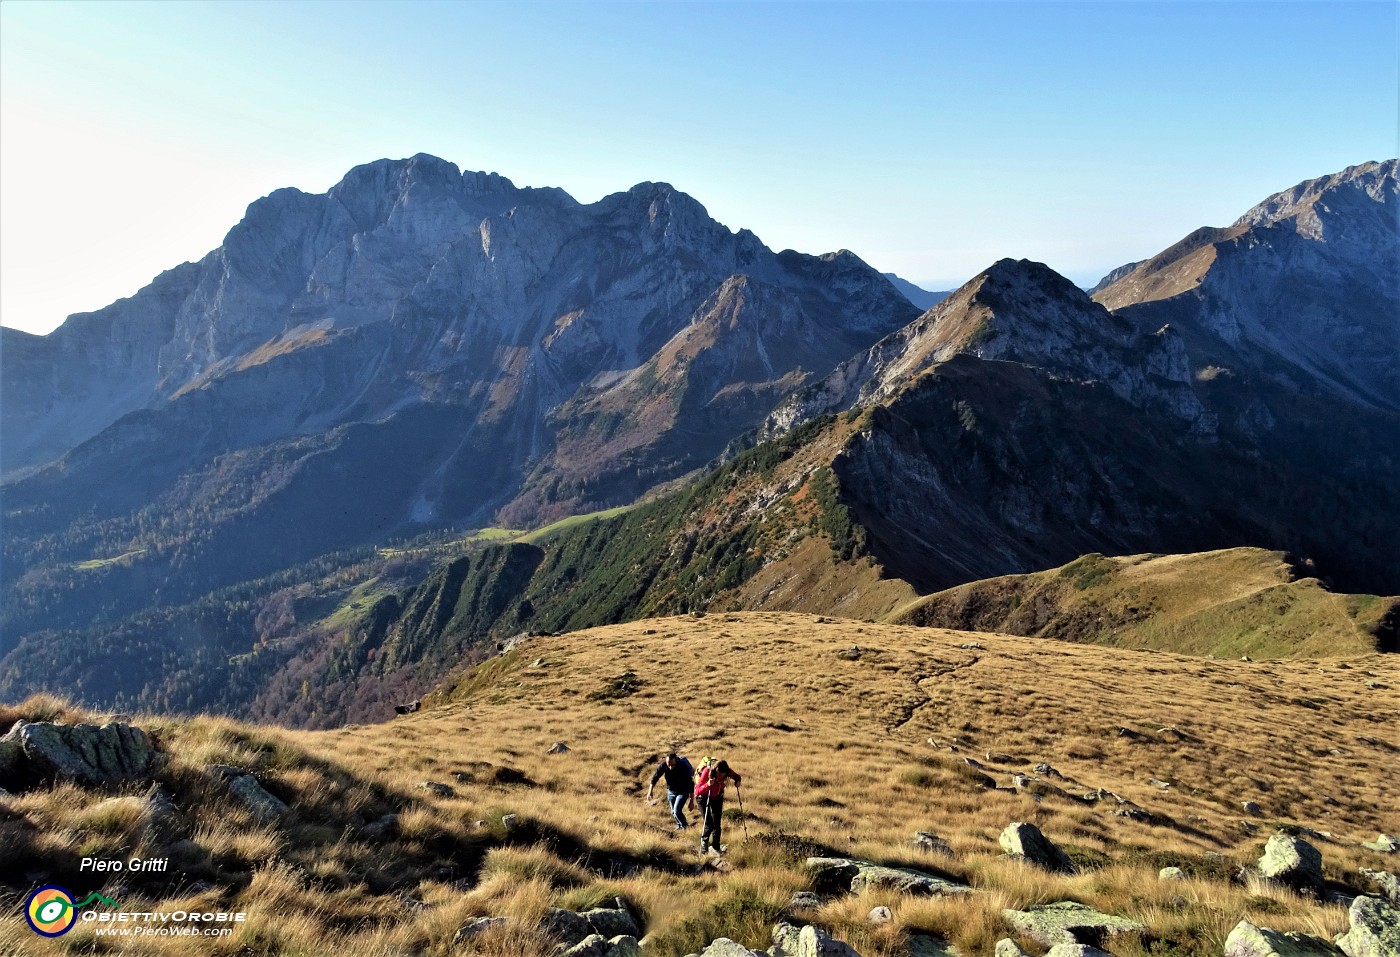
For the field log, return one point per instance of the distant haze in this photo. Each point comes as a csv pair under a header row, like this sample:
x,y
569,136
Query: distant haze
x,y
930,139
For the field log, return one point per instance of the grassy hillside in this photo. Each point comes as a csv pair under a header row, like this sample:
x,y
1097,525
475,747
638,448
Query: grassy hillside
x,y
1238,601
850,737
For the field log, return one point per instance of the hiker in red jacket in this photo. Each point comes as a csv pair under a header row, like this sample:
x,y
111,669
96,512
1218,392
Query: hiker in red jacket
x,y
709,791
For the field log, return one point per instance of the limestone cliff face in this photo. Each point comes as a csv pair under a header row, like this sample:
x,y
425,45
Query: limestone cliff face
x,y
475,277
463,349
1300,292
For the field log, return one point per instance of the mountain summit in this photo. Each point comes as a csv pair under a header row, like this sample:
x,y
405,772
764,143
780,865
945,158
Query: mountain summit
x,y
1300,291
423,353
417,347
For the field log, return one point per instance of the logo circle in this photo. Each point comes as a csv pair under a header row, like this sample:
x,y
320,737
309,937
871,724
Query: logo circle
x,y
50,911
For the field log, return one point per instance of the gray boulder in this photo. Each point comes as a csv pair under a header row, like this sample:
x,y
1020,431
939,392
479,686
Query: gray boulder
x,y
1025,841
1384,843
1375,929
1293,861
815,943
1386,883
266,807
565,925
857,875
724,947
1068,922
1247,940
804,900
476,926
1076,950
1006,947
624,946
91,755
386,827
1171,874
11,763
594,945
785,940
933,843
612,921
159,805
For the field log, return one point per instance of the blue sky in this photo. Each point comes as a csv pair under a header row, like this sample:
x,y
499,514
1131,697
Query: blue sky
x,y
930,138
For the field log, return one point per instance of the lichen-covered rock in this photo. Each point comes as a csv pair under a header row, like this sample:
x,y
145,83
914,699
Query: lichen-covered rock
x,y
1076,950
1375,929
594,945
856,876
1171,874
565,925
266,807
1068,922
624,946
1384,843
1385,882
1293,861
785,939
92,755
724,947
1006,947
612,922
815,943
1026,841
1249,940
477,925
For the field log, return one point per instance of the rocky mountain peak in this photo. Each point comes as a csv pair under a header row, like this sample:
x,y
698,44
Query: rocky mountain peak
x,y
490,184
1300,291
1309,203
1017,311
1009,280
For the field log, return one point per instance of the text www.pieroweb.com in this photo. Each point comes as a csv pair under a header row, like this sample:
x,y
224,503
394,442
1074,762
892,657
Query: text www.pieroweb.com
x,y
182,930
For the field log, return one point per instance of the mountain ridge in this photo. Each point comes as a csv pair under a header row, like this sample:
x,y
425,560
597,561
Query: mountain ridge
x,y
803,440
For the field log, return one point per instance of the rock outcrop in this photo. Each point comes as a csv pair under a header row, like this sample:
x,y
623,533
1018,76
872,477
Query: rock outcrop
x,y
1250,940
1375,929
88,754
1069,922
1385,882
855,876
265,806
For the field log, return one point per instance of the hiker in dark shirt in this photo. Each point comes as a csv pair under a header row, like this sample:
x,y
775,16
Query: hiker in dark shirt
x,y
710,790
680,784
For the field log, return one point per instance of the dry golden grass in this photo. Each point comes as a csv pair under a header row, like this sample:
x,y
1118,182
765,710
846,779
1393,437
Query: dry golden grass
x,y
847,752
1230,602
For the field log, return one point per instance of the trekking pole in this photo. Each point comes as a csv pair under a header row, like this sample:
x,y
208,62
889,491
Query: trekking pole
x,y
743,818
